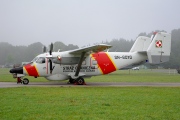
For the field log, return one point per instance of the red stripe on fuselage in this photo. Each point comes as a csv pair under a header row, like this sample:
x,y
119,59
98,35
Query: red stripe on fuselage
x,y
104,62
31,70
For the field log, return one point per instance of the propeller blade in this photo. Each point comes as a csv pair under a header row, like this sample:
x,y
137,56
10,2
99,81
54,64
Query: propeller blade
x,y
51,49
50,60
44,49
50,67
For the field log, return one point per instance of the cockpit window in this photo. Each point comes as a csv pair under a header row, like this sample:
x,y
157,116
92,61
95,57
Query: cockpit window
x,y
41,60
34,59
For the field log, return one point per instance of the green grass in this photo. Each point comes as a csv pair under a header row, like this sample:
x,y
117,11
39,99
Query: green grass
x,y
136,76
4,71
118,76
97,103
87,103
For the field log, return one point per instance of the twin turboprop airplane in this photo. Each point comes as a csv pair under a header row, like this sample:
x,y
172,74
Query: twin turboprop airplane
x,y
75,65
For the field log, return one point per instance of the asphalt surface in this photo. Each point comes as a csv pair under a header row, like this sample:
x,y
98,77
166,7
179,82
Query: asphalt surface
x,y
89,84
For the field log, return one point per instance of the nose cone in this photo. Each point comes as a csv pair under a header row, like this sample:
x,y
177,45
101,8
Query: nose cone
x,y
17,70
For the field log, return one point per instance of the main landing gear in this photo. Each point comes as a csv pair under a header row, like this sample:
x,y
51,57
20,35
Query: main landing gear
x,y
24,81
78,81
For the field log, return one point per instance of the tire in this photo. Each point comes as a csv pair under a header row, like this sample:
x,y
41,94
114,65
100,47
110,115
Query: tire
x,y
80,81
71,81
25,81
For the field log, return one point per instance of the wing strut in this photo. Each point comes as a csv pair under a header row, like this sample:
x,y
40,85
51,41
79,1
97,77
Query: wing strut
x,y
79,64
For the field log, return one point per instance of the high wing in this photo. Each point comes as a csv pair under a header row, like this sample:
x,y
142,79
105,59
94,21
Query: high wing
x,y
88,50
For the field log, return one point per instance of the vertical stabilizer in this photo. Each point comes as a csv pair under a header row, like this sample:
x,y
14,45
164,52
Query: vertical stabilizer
x,y
141,44
160,48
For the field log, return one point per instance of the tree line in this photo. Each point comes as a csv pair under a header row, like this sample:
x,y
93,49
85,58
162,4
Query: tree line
x,y
10,54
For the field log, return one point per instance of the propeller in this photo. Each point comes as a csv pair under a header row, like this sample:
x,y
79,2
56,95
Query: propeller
x,y
51,49
44,49
50,60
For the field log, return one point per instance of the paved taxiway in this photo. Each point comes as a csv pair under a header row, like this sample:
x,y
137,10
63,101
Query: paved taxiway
x,y
89,84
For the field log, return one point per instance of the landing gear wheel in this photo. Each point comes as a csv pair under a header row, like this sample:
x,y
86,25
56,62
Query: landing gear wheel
x,y
71,81
80,81
25,81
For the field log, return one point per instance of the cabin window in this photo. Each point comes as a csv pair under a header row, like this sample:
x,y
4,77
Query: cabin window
x,y
41,60
94,62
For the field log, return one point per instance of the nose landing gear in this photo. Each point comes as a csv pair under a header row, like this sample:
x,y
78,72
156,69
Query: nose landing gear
x,y
24,81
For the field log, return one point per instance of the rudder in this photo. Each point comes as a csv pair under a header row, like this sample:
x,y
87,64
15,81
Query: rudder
x,y
160,48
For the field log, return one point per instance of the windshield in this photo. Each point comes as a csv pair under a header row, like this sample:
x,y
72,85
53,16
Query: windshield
x,y
40,60
34,59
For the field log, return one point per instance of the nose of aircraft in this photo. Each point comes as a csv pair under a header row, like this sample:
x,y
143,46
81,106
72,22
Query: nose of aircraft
x,y
17,70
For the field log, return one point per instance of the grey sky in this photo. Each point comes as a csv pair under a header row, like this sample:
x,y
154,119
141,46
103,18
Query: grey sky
x,y
83,22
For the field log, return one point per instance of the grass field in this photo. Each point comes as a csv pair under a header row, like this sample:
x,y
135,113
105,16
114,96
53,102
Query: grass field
x,y
118,76
90,103
97,103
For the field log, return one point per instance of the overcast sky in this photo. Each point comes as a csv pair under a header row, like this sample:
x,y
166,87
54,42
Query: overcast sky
x,y
83,22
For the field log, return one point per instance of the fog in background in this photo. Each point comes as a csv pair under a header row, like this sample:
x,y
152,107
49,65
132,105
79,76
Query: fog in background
x,y
84,22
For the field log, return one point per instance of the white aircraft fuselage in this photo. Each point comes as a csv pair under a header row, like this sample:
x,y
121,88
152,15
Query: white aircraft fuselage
x,y
95,64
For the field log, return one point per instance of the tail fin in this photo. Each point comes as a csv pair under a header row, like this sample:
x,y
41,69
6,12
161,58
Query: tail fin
x,y
160,48
141,44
